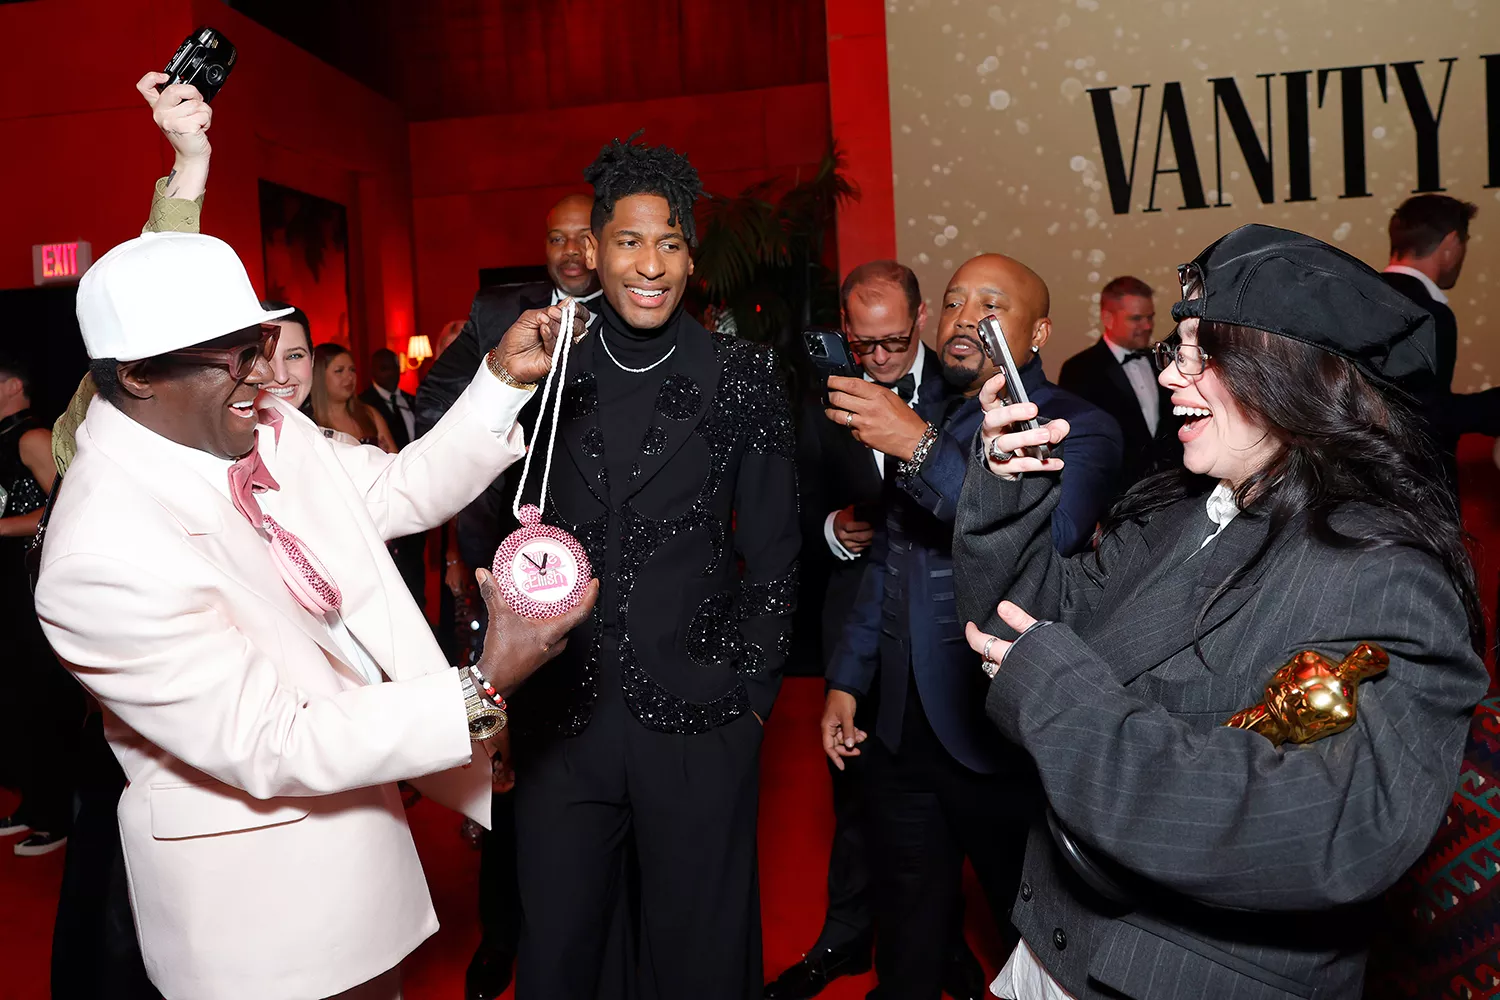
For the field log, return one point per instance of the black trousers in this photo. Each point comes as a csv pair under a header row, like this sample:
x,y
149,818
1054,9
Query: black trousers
x,y
43,705
95,952
499,893
927,812
848,922
691,803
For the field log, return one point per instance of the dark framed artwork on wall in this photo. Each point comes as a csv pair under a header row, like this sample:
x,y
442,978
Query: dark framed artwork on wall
x,y
305,247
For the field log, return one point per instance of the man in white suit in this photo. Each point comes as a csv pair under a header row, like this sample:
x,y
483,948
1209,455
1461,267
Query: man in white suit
x,y
215,574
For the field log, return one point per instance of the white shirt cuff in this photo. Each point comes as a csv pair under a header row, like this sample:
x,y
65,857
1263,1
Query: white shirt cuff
x,y
834,545
497,404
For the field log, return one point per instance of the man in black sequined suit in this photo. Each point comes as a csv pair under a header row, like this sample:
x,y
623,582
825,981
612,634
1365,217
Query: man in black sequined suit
x,y
674,469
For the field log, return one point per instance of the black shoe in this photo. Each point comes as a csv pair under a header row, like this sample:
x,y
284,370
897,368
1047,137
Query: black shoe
x,y
963,977
41,843
817,969
488,974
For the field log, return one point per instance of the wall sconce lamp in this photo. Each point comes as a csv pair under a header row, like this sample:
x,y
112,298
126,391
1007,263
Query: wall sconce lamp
x,y
418,350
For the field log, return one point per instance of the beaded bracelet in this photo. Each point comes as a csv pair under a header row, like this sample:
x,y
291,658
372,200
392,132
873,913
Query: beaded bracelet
x,y
488,688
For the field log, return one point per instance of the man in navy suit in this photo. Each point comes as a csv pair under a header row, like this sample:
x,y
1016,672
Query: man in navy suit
x,y
941,784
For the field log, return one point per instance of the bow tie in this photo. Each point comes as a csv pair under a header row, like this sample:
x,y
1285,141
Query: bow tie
x,y
1141,355
905,386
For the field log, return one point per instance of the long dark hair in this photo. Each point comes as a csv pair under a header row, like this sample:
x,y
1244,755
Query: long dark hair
x,y
1343,440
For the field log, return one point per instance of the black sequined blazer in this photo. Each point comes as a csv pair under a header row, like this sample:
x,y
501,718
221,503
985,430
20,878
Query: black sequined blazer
x,y
708,525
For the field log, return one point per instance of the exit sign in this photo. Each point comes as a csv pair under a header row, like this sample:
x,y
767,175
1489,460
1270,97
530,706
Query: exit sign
x,y
53,263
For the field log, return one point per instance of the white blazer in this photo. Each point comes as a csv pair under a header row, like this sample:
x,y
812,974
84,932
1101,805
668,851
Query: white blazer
x,y
266,850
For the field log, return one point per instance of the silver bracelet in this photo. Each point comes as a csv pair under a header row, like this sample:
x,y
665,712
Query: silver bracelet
x,y
910,467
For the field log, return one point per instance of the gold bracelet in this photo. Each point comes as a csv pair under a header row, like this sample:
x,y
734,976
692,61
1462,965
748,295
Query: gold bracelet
x,y
497,369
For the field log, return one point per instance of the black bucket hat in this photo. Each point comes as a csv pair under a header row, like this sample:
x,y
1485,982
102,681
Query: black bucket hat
x,y
1295,286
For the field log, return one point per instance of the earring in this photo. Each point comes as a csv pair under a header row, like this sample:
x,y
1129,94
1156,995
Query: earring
x,y
1035,349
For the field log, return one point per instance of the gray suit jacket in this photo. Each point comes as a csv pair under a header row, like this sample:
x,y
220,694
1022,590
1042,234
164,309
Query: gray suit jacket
x,y
1246,863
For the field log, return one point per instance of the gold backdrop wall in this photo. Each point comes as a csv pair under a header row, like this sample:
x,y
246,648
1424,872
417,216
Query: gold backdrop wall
x,y
997,146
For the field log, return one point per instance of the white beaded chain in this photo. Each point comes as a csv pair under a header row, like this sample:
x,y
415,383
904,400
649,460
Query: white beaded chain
x,y
560,351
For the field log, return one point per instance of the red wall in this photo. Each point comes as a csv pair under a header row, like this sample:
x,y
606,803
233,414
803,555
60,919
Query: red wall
x,y
482,186
83,152
859,97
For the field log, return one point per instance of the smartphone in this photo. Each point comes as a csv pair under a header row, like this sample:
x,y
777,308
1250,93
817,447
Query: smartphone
x,y
868,513
828,349
992,338
204,60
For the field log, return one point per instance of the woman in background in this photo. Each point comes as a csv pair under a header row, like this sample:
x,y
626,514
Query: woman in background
x,y
335,407
292,367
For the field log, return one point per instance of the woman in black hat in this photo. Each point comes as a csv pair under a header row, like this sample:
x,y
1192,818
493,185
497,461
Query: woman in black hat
x,y
1183,857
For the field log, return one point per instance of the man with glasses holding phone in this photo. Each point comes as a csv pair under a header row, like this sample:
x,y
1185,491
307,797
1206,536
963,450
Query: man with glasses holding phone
x,y
842,472
214,574
939,783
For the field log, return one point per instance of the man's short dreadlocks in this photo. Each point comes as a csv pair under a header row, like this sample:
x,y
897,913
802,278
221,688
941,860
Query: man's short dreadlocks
x,y
624,168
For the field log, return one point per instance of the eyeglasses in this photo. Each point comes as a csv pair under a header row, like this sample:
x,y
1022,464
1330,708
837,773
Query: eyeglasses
x,y
1190,277
239,360
891,345
1190,358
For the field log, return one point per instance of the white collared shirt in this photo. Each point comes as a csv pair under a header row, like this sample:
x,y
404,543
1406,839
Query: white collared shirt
x,y
1436,293
398,404
834,545
1221,509
558,295
1142,378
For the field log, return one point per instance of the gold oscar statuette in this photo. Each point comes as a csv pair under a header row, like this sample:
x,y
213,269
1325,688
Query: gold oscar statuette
x,y
1312,697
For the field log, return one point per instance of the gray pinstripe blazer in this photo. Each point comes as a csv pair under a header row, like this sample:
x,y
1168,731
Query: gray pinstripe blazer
x,y
1247,863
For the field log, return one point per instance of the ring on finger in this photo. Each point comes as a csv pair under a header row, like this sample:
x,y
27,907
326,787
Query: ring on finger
x,y
996,454
848,418
985,656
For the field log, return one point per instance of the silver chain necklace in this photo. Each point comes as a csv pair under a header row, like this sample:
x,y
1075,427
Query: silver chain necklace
x,y
634,371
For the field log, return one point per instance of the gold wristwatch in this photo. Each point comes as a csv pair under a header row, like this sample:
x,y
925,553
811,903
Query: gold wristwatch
x,y
486,719
497,369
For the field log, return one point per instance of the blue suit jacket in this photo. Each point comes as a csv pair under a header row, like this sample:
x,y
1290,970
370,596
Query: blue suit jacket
x,y
911,564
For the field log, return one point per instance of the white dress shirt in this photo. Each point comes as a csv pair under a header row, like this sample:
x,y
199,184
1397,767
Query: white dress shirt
x,y
1433,290
834,545
1142,378
398,404
558,295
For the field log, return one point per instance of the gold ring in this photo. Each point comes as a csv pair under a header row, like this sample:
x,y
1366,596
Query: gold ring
x,y
848,418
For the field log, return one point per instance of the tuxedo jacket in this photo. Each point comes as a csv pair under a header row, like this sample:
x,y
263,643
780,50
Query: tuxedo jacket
x,y
708,534
1095,375
1447,325
1246,862
1447,415
904,626
267,852
833,472
393,419
483,524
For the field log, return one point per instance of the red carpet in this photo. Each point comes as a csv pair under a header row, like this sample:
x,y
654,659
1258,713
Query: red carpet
x,y
796,822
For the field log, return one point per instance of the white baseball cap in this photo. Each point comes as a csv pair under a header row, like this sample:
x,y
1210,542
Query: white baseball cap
x,y
162,292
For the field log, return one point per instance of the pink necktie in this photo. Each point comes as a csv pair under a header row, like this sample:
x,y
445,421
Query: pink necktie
x,y
300,570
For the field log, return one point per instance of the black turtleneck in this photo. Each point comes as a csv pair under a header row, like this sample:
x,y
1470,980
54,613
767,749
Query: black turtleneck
x,y
627,400
627,407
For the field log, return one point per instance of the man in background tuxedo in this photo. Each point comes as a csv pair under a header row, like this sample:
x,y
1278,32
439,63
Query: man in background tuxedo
x,y
1117,375
1429,240
483,525
399,410
842,481
941,783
